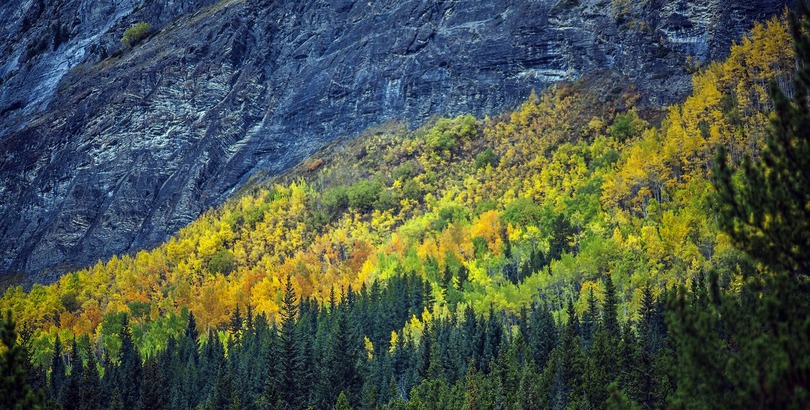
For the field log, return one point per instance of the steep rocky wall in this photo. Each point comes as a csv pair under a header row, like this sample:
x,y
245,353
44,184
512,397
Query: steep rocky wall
x,y
126,149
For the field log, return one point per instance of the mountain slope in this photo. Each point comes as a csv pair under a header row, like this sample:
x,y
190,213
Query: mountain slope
x,y
539,205
129,149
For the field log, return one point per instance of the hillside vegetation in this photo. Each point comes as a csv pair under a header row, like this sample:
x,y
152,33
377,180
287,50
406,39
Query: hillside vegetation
x,y
560,226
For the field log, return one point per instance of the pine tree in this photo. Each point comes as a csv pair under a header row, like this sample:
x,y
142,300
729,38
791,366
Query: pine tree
x,y
152,387
761,354
567,365
589,320
128,373
766,213
287,365
342,402
650,343
610,321
15,392
307,370
235,325
58,378
90,384
338,369
543,336
471,391
191,328
116,403
71,394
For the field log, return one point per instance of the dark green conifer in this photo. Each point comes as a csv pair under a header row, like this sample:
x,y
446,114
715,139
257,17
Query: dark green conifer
x,y
58,378
287,357
15,392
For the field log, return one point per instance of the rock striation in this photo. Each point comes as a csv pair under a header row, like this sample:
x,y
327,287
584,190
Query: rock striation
x,y
106,150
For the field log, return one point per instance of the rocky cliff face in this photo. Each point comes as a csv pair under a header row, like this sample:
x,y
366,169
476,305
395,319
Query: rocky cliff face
x,y
105,151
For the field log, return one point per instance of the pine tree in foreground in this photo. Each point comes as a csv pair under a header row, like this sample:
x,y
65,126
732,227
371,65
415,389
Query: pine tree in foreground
x,y
751,349
15,393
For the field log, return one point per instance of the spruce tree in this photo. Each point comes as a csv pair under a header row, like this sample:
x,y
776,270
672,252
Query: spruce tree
x,y
610,320
764,206
90,384
287,363
235,325
589,320
58,378
72,394
191,328
338,368
15,392
342,402
128,372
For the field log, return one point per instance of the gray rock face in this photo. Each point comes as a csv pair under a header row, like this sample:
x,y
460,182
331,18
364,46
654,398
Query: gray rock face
x,y
105,151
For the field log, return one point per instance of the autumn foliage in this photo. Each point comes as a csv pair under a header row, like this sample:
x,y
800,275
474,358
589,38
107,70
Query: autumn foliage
x,y
542,203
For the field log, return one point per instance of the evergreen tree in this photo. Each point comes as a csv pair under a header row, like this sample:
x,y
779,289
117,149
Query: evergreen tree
x,y
567,365
72,394
543,335
222,395
752,347
307,366
90,385
287,358
116,403
650,344
128,374
342,402
589,320
191,328
235,325
472,399
610,320
15,392
152,388
58,378
338,369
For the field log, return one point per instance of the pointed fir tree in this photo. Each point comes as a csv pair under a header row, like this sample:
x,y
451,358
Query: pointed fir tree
x,y
342,402
751,347
116,402
72,394
128,373
90,384
287,365
235,324
589,320
610,320
58,378
15,392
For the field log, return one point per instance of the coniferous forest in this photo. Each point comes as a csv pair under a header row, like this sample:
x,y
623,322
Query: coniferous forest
x,y
575,253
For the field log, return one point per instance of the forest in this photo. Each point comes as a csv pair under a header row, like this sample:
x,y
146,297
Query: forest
x,y
578,252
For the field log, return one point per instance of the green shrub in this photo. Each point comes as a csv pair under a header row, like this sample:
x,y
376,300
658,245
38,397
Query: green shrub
x,y
222,262
480,246
385,201
522,211
364,194
626,126
412,190
485,158
334,199
484,206
139,309
444,136
404,171
69,302
134,34
448,215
